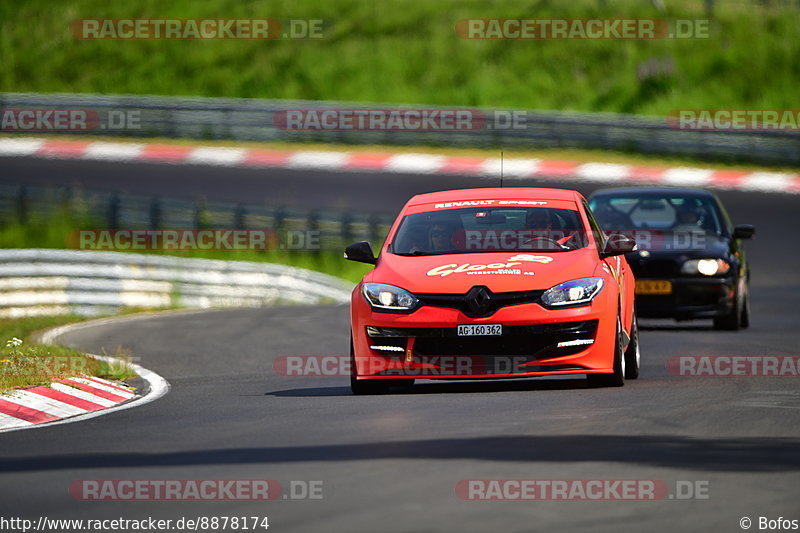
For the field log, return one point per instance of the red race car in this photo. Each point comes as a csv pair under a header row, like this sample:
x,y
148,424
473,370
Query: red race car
x,y
494,283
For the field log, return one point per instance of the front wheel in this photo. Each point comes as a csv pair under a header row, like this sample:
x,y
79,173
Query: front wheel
x,y
617,377
732,321
632,355
745,320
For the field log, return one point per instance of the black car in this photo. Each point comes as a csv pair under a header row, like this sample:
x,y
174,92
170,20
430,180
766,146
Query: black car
x,y
690,262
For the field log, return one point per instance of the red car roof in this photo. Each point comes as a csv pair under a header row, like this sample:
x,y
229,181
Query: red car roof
x,y
495,193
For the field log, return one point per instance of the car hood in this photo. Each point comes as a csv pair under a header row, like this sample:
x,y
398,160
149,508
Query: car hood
x,y
500,272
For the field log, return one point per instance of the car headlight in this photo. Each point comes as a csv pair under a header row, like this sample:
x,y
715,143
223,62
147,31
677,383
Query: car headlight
x,y
575,292
388,297
707,267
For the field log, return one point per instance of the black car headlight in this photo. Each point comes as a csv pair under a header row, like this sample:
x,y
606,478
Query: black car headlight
x,y
573,293
383,297
706,267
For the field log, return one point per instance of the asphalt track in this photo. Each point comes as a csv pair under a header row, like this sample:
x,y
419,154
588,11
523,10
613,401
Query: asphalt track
x,y
391,463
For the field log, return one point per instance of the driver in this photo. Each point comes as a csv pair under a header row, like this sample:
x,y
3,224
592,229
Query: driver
x,y
687,218
441,235
611,218
547,230
540,221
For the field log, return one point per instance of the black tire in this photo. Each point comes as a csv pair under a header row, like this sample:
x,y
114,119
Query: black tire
x,y
731,321
632,356
364,387
617,377
745,320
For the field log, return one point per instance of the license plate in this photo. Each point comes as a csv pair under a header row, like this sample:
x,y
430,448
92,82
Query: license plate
x,y
647,286
475,330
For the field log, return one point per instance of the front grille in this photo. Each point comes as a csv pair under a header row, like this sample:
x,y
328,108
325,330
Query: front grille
x,y
479,301
519,349
538,341
654,268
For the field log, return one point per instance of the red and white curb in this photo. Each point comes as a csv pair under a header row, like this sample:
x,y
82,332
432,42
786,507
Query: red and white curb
x,y
63,398
404,163
77,398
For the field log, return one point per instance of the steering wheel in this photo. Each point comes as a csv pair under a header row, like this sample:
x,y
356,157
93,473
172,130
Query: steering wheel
x,y
539,238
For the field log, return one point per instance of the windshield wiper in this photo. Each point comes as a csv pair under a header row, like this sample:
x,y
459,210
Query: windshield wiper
x,y
419,252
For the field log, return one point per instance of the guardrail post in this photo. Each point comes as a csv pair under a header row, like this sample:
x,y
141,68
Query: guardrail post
x,y
278,218
346,229
239,217
200,214
155,213
113,211
22,204
312,227
374,231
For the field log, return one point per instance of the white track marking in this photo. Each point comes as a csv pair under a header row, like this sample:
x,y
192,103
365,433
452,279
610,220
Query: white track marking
x,y
100,386
113,151
322,160
42,403
604,172
686,177
415,163
515,168
20,146
83,395
217,156
12,422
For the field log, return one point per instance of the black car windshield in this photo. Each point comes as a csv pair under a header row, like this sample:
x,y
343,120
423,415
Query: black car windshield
x,y
664,213
481,229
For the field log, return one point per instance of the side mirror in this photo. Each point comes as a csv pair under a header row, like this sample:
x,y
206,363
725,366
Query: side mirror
x,y
618,244
744,231
361,252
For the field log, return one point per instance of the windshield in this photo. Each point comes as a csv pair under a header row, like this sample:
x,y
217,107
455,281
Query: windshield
x,y
668,213
484,229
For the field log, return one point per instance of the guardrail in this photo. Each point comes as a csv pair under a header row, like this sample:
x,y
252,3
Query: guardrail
x,y
57,282
332,230
255,120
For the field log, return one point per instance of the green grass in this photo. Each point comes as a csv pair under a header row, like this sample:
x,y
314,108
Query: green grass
x,y
406,51
29,364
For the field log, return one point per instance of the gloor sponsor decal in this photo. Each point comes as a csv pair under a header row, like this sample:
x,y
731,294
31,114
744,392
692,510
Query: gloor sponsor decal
x,y
453,268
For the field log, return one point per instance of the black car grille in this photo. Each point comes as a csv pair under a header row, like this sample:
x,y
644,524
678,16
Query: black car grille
x,y
479,301
537,341
654,268
519,349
